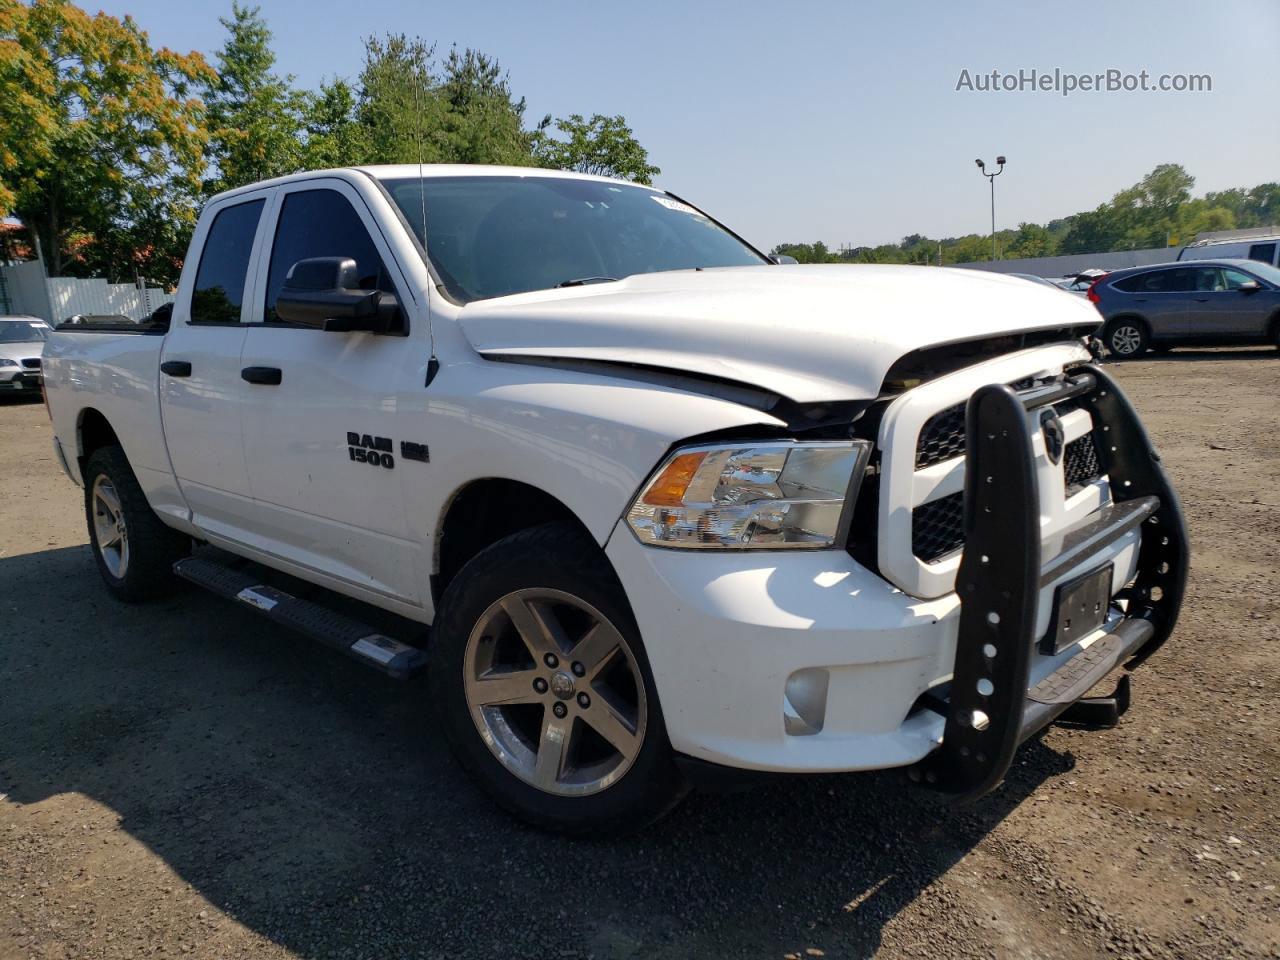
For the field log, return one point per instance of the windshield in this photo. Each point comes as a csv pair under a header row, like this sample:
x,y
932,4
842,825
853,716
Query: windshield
x,y
493,236
1264,270
23,331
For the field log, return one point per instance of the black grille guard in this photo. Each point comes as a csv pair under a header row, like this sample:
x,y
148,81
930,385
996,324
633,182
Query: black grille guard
x,y
1001,574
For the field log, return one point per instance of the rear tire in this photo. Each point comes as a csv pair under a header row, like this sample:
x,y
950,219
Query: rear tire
x,y
573,740
1127,338
135,552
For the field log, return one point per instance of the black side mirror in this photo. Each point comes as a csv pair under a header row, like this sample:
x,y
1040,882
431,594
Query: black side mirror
x,y
783,258
323,293
1249,286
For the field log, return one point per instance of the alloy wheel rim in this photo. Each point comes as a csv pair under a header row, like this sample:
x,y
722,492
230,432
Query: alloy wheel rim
x,y
1125,340
555,692
110,531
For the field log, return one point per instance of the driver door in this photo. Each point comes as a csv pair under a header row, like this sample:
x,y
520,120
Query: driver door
x,y
322,435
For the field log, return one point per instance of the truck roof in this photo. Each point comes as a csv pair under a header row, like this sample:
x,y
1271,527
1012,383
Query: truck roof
x,y
402,171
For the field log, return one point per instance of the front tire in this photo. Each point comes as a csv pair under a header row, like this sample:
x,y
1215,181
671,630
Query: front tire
x,y
1127,338
134,551
541,684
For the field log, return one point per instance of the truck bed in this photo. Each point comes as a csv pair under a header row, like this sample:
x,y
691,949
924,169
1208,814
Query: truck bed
x,y
95,375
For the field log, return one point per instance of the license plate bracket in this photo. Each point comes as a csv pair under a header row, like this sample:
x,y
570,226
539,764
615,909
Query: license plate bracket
x,y
1079,607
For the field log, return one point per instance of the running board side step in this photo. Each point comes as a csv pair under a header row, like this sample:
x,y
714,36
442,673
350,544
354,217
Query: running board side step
x,y
344,634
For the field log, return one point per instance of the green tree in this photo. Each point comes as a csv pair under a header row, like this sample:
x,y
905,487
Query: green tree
x,y
485,122
1031,240
967,249
604,146
1198,216
335,137
402,117
255,116
1164,190
1255,207
101,139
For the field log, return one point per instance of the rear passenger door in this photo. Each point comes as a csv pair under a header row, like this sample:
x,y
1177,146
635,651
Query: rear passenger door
x,y
323,444
1161,297
200,387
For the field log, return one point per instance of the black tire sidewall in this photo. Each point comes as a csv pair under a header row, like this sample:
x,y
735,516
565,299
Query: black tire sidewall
x,y
153,547
559,558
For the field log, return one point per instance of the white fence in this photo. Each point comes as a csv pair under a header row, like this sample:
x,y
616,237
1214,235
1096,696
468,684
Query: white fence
x,y
55,299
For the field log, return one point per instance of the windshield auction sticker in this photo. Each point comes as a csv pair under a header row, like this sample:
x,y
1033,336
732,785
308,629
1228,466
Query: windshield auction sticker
x,y
671,204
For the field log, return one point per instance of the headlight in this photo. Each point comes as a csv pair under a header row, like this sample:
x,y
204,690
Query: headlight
x,y
5,362
765,496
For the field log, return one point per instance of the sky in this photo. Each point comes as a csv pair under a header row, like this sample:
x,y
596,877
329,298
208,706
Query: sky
x,y
841,121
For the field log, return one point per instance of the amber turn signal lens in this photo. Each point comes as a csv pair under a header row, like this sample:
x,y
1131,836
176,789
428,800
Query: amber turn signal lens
x,y
669,487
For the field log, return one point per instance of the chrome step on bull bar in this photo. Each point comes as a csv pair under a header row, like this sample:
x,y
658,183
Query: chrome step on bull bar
x,y
990,711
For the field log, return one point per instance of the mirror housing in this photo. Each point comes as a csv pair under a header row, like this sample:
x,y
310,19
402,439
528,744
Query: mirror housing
x,y
323,293
783,258
1249,286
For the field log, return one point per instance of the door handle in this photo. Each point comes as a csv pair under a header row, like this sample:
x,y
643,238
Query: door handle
x,y
269,376
176,368
1201,299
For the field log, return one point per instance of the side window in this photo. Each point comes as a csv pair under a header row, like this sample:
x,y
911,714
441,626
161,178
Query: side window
x,y
1263,252
1170,281
1132,284
321,223
1235,278
1208,280
224,262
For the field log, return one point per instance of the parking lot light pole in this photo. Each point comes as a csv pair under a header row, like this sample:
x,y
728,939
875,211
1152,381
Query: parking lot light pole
x,y
991,177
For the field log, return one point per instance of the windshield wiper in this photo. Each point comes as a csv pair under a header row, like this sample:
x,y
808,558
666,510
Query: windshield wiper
x,y
583,281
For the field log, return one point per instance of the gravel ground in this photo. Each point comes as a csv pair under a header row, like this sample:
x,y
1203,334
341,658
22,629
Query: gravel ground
x,y
182,779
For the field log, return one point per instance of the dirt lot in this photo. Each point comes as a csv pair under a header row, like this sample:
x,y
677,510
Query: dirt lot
x,y
184,780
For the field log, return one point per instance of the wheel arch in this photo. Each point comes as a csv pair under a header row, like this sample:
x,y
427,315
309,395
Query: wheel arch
x,y
486,510
1273,328
1131,316
93,432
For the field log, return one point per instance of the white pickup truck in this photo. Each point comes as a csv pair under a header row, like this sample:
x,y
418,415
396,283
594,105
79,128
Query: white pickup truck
x,y
651,506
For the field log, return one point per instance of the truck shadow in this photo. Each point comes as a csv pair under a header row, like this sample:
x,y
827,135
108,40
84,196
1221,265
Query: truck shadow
x,y
313,804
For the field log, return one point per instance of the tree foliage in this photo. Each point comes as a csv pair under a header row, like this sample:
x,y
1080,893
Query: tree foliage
x,y
255,116
1156,211
604,146
108,146
101,139
334,135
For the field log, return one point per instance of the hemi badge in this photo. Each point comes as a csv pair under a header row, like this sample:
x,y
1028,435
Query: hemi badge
x,y
414,451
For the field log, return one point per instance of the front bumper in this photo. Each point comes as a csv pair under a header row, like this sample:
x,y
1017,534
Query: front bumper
x,y
993,704
809,662
19,380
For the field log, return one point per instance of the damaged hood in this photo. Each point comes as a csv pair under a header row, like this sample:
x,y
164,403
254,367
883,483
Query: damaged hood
x,y
810,333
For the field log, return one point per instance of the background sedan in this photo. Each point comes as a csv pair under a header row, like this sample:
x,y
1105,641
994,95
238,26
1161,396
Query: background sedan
x,y
1218,302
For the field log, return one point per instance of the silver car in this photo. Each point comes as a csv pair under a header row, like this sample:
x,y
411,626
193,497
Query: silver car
x,y
1211,302
21,343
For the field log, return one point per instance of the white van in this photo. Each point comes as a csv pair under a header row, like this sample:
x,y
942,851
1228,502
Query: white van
x,y
1264,249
